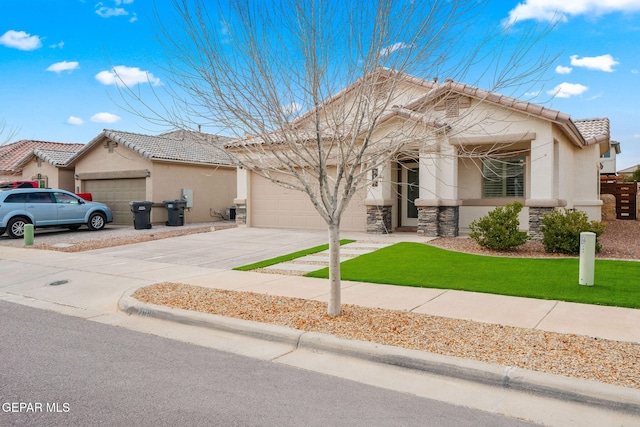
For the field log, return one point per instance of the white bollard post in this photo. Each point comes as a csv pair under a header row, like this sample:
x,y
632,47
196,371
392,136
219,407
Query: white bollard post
x,y
587,258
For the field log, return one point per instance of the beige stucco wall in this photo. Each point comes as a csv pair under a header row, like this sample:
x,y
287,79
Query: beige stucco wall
x,y
99,159
56,177
66,180
468,214
214,189
9,177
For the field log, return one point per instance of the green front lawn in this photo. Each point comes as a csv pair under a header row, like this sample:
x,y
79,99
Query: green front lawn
x,y
617,283
289,257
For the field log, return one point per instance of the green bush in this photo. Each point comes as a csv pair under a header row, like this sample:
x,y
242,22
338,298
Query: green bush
x,y
561,231
500,228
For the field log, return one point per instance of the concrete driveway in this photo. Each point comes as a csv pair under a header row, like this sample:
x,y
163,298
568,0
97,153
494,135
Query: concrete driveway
x,y
222,249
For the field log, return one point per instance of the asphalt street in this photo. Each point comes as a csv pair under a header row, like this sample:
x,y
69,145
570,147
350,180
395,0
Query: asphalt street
x,y
60,370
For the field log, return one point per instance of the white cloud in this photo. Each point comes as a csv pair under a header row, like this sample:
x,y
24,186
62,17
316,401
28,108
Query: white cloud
x,y
126,76
57,45
567,90
390,49
108,12
600,63
634,71
104,118
63,66
561,10
76,121
20,40
563,70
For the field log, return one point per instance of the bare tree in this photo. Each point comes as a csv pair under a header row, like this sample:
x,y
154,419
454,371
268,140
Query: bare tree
x,y
6,134
250,68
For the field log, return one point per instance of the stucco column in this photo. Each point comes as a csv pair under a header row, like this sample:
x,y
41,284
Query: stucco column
x,y
379,200
542,198
542,169
242,195
438,205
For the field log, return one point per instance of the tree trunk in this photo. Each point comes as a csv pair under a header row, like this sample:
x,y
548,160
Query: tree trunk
x,y
334,308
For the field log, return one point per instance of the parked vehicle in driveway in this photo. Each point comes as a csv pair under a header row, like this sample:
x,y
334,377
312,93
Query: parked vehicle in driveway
x,y
18,184
47,207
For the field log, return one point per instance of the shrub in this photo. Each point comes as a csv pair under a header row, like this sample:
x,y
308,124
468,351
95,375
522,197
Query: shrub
x,y
561,231
500,228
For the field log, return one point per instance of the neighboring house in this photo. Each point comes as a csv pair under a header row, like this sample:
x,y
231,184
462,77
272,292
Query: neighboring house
x,y
489,150
608,159
49,167
13,157
120,167
625,173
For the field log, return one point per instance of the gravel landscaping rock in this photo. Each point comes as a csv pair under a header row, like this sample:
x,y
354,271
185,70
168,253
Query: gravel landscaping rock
x,y
606,361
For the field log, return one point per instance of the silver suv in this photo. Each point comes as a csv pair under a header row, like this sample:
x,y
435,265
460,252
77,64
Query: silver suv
x,y
46,207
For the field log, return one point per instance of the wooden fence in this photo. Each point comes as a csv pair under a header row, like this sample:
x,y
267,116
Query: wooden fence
x,y
626,194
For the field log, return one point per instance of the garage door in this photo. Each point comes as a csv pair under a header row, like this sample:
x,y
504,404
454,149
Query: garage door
x,y
276,207
117,193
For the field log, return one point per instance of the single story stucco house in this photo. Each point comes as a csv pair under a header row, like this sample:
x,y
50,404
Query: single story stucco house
x,y
120,167
41,161
480,150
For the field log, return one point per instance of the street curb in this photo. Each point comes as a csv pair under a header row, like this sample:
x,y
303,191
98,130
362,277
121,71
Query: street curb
x,y
586,392
263,331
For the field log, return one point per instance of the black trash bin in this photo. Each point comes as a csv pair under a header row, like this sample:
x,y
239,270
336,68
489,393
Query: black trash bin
x,y
231,213
141,215
175,212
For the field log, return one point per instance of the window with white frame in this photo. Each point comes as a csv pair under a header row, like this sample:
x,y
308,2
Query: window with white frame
x,y
503,177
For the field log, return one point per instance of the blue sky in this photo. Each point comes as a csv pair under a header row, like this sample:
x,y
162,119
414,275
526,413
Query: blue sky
x,y
57,60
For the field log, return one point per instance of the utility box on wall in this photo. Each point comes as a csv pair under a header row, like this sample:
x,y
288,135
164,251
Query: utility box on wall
x,y
187,196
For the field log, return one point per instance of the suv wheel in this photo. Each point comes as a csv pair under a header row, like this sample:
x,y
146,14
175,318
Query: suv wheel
x,y
15,227
97,221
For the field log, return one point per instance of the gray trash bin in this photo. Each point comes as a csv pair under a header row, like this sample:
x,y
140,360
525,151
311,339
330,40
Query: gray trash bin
x,y
141,215
175,212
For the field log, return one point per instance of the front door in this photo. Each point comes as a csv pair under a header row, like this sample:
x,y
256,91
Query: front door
x,y
409,192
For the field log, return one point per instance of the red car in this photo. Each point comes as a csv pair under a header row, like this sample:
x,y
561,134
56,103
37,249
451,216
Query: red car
x,y
19,184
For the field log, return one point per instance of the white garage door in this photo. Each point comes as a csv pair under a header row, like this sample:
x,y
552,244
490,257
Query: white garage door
x,y
276,207
117,193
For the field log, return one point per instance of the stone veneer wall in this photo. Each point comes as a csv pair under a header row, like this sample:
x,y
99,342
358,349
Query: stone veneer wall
x,y
434,221
379,219
428,220
535,223
241,214
448,217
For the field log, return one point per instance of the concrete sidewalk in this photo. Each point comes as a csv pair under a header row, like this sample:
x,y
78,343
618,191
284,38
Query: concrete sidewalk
x,y
92,285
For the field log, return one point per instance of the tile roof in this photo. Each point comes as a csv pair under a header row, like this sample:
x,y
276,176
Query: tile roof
x,y
12,155
593,128
581,132
179,146
55,157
